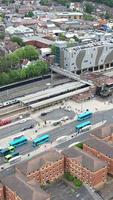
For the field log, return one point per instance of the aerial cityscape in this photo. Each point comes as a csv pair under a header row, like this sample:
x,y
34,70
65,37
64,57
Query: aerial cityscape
x,y
56,100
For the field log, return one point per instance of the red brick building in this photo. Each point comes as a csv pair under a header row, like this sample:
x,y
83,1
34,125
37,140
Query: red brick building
x,y
85,167
46,168
104,133
14,188
101,150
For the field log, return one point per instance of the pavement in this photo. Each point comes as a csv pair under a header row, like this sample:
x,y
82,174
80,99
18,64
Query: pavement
x,y
62,191
57,114
16,127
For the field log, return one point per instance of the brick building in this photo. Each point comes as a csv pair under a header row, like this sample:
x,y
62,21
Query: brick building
x,y
100,149
14,188
46,168
85,167
104,133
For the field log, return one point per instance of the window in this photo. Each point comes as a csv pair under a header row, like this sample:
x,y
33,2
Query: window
x,y
85,61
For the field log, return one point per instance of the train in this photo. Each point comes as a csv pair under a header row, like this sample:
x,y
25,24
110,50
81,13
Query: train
x,y
8,103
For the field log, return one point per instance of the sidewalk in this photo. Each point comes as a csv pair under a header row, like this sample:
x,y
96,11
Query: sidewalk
x,y
94,105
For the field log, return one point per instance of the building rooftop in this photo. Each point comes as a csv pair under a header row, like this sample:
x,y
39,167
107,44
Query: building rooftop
x,y
82,46
100,146
90,162
38,39
70,14
26,191
37,162
103,132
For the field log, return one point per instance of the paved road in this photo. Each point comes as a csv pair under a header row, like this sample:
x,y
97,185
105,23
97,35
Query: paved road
x,y
67,129
16,128
29,88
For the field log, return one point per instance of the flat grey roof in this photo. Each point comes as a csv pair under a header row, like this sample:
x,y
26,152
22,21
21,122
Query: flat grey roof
x,y
50,92
100,146
57,98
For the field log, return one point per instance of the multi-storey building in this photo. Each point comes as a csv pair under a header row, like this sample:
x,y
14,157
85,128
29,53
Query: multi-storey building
x,y
89,57
101,150
44,169
85,167
104,133
14,188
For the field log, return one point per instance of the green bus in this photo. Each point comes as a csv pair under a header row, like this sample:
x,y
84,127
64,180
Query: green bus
x,y
12,155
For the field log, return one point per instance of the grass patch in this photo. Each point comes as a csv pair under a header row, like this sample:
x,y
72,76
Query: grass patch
x,y
73,179
79,145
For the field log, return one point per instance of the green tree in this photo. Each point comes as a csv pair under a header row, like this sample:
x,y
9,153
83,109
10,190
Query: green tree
x,y
89,8
2,35
53,49
18,40
44,2
35,69
29,14
62,36
15,58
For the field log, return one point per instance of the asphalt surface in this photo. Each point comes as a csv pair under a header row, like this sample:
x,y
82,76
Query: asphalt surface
x,y
62,191
63,130
58,114
16,128
29,88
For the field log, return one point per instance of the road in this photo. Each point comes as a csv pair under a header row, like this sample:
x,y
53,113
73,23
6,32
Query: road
x,y
29,88
16,128
67,129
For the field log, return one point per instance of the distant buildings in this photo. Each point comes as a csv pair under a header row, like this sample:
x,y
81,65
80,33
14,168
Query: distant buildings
x,y
70,15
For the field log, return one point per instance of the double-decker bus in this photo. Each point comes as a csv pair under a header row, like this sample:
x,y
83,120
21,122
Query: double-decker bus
x,y
19,141
84,115
9,156
83,126
40,140
7,150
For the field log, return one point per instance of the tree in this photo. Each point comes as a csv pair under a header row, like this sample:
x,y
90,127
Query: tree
x,y
13,59
89,8
44,2
18,40
53,49
62,36
29,14
2,35
35,69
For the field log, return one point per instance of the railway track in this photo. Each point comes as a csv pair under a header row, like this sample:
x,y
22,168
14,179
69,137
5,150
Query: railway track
x,y
15,112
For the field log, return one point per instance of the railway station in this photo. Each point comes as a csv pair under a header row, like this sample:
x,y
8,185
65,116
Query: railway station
x,y
52,95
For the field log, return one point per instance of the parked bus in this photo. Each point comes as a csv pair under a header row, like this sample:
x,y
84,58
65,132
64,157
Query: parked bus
x,y
83,125
7,151
15,159
9,156
84,115
40,140
19,141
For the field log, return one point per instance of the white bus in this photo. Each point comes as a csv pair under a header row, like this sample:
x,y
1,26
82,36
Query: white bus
x,y
15,159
